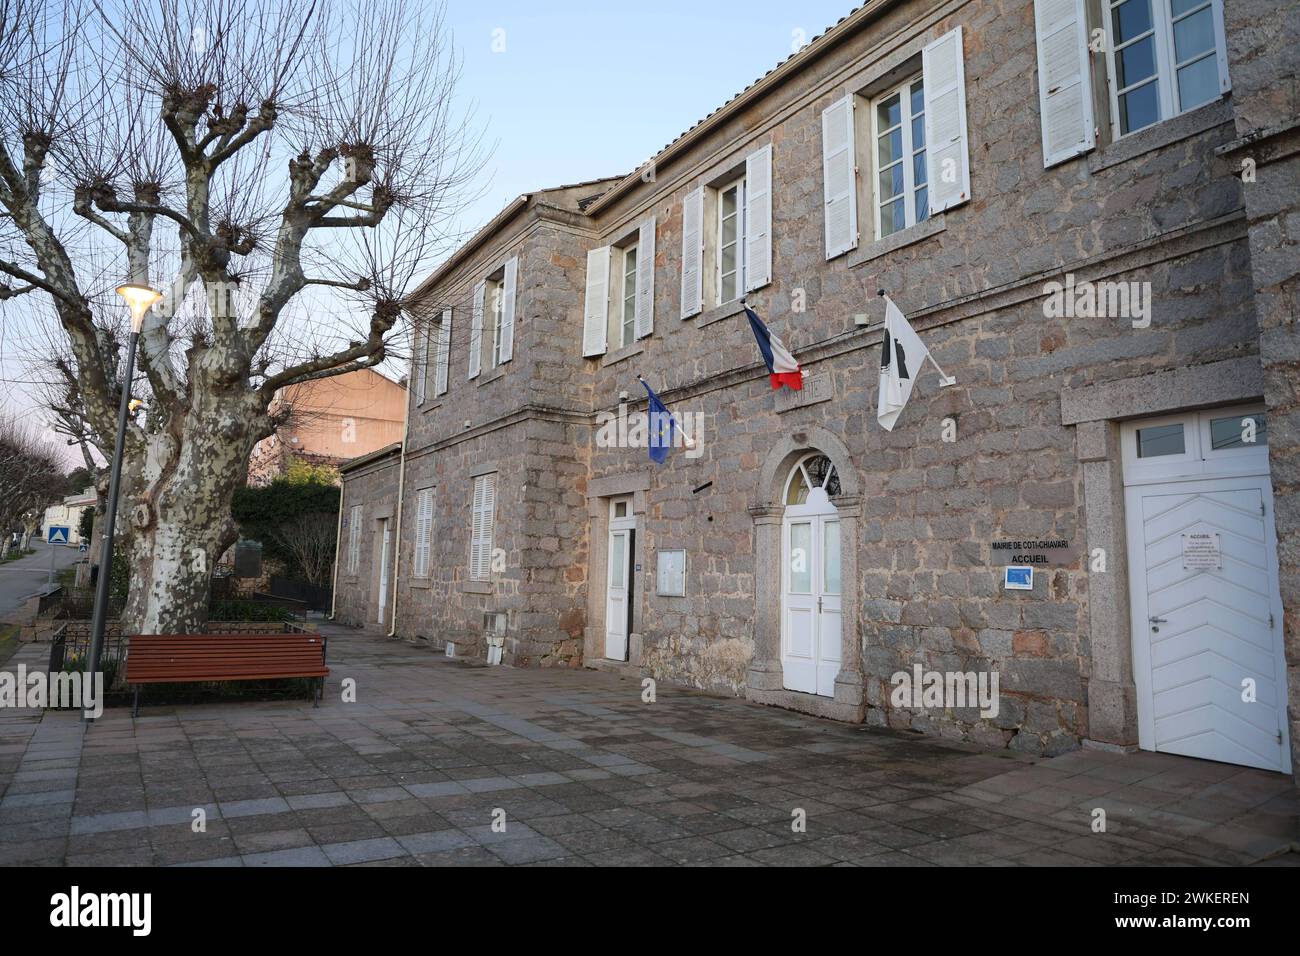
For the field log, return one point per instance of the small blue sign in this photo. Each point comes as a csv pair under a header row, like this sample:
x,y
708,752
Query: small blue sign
x,y
1018,578
83,547
58,534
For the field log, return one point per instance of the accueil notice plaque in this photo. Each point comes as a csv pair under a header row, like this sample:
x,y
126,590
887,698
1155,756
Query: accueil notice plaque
x,y
1201,551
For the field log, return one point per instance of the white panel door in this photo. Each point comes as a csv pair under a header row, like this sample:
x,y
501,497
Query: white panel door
x,y
811,604
616,603
1206,636
383,570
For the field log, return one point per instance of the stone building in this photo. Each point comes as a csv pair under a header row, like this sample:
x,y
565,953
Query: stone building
x,y
1087,211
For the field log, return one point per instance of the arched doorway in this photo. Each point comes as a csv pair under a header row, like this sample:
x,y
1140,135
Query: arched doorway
x,y
807,657
811,591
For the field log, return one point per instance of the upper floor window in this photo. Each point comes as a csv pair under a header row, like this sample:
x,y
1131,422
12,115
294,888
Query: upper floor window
x,y
627,299
897,151
494,317
731,241
495,295
727,234
618,306
902,197
1164,57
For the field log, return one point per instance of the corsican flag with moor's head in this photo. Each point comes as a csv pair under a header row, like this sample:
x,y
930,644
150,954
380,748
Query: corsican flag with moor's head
x,y
782,367
901,356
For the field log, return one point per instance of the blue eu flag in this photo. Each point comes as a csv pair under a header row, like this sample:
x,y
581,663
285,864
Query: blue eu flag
x,y
660,425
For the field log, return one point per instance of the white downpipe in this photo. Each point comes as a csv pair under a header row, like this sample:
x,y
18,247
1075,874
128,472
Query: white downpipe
x,y
401,490
338,539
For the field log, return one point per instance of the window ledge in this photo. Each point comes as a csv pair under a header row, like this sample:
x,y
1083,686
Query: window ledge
x,y
492,376
430,406
904,237
618,355
476,587
422,583
1162,134
720,312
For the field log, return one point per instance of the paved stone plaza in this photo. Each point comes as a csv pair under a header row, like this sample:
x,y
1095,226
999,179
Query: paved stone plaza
x,y
586,773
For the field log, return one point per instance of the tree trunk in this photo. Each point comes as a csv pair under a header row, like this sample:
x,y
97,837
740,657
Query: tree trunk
x,y
177,504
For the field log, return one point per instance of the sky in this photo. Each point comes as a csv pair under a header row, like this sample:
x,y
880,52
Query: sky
x,y
587,90
569,91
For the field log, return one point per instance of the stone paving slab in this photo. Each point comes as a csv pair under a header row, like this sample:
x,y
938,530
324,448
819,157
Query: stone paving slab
x,y
447,763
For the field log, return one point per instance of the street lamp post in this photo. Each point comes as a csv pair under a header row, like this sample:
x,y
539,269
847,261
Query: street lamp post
x,y
140,298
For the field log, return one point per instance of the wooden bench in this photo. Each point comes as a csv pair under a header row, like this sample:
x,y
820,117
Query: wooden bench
x,y
195,658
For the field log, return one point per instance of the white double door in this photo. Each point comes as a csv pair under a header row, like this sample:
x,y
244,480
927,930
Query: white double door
x,y
1207,621
811,596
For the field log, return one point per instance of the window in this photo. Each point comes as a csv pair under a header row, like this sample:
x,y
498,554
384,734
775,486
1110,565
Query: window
x,y
423,532
1219,441
1165,57
482,515
731,241
354,539
494,299
494,316
897,153
1238,431
1160,440
902,198
627,308
440,346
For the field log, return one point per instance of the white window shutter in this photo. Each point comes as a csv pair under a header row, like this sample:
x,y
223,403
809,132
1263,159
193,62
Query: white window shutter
x,y
947,153
475,526
444,354
507,332
839,183
419,360
489,516
645,279
476,331
1064,88
758,218
693,252
423,520
596,303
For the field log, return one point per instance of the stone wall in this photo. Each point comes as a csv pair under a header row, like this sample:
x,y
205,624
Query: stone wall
x,y
373,486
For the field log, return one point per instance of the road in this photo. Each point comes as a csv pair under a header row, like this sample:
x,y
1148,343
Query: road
x,y
21,579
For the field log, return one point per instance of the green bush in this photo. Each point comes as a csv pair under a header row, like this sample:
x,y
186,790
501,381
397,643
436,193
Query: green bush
x,y
86,524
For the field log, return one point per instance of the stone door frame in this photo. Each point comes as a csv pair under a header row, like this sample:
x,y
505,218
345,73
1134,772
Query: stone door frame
x,y
765,684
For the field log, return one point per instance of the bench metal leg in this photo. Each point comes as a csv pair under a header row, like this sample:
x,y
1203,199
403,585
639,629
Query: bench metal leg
x,y
135,707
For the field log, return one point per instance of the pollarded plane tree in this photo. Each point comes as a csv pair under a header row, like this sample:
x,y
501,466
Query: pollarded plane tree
x,y
281,170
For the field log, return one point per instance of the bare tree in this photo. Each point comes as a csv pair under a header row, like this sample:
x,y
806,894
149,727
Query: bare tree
x,y
287,165
309,539
29,480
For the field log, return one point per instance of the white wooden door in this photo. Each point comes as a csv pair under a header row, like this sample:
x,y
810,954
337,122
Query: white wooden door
x,y
1207,621
810,591
618,587
383,571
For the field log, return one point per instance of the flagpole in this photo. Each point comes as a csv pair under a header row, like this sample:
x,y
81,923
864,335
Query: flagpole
x,y
944,378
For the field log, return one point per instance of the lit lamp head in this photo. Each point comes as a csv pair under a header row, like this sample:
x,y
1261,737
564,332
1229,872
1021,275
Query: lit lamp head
x,y
140,298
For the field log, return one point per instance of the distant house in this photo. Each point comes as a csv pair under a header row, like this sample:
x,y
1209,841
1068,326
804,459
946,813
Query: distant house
x,y
68,513
330,421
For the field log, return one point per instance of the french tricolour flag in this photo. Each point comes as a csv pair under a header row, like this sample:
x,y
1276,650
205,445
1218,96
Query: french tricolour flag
x,y
780,363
